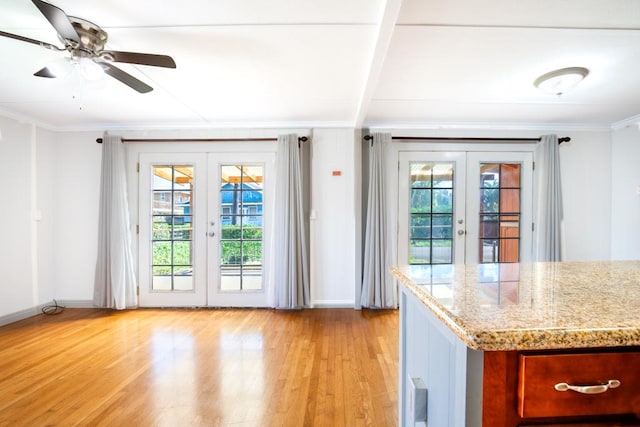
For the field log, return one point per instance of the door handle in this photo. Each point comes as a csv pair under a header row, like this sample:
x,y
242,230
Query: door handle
x,y
461,232
211,233
588,389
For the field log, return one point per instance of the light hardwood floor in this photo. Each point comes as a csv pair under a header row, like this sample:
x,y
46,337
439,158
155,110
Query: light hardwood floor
x,y
207,367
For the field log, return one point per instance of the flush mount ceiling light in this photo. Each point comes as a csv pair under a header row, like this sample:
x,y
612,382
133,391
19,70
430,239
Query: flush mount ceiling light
x,y
560,81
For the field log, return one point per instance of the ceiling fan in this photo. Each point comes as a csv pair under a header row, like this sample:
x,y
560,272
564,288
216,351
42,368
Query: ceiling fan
x,y
85,42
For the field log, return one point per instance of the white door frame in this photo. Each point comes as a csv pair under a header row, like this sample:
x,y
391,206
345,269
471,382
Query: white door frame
x,y
393,177
526,200
459,161
264,297
198,296
205,246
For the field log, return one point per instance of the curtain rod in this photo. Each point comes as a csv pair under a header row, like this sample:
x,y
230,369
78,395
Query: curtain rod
x,y
99,140
436,138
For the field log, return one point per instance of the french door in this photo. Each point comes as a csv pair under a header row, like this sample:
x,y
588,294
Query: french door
x,y
204,223
464,207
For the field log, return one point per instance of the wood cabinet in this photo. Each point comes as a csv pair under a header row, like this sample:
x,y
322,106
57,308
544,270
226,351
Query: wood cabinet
x,y
578,384
535,388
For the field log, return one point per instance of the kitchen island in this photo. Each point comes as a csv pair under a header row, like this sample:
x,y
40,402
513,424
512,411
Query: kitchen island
x,y
520,344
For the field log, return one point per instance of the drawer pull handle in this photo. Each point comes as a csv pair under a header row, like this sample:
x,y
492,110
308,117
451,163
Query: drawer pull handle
x,y
588,389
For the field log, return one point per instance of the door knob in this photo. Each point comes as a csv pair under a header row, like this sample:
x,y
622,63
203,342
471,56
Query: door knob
x,y
461,232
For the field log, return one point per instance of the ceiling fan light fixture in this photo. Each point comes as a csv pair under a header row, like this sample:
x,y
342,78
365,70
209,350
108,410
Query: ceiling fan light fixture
x,y
89,69
59,68
85,42
560,81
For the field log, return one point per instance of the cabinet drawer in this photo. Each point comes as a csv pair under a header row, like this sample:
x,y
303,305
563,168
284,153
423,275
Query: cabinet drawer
x,y
539,376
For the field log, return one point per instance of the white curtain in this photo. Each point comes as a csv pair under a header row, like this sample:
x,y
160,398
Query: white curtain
x,y
115,281
378,288
548,221
291,273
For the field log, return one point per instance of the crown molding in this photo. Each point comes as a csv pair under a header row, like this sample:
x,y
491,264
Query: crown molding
x,y
26,120
546,127
142,127
630,121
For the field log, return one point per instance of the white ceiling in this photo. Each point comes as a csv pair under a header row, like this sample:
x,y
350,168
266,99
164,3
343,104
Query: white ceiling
x,y
310,63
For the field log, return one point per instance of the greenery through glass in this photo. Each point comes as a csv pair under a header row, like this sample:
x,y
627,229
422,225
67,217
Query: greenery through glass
x,y
172,227
241,227
431,213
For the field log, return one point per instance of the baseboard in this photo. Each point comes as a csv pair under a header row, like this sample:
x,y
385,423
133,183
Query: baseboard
x,y
19,315
333,304
76,303
30,312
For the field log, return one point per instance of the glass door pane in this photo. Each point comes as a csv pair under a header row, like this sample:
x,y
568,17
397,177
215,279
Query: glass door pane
x,y
431,208
499,205
172,224
499,212
172,232
431,213
241,219
241,195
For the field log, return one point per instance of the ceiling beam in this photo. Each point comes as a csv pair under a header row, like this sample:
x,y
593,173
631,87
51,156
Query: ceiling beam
x,y
386,24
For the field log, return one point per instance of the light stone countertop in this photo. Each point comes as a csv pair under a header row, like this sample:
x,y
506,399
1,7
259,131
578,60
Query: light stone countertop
x,y
532,306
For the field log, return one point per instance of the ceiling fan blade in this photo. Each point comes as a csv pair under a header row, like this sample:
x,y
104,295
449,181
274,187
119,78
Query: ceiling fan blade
x,y
126,78
58,19
28,40
139,58
45,72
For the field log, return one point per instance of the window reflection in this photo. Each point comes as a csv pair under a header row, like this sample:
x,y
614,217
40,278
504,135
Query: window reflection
x,y
243,378
499,283
491,284
174,361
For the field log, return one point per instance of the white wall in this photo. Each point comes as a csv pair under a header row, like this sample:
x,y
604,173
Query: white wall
x,y
44,221
76,158
625,185
335,200
15,218
26,264
586,185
